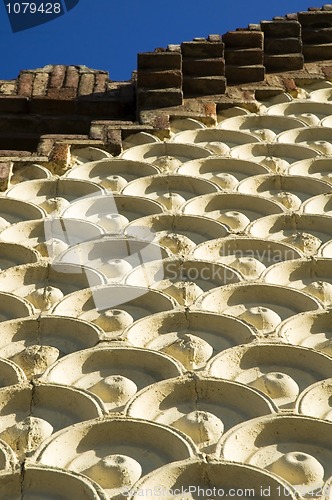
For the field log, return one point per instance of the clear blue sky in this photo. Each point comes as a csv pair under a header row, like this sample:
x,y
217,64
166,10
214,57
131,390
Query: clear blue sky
x,y
108,34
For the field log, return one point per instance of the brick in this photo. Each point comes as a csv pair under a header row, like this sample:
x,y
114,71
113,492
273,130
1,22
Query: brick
x,y
5,170
327,70
282,45
159,79
289,84
202,50
57,76
101,80
40,84
161,98
317,52
86,85
245,74
320,19
317,36
159,60
200,86
72,77
241,57
283,62
240,39
25,83
5,174
62,94
204,67
114,141
281,29
10,153
214,38
97,132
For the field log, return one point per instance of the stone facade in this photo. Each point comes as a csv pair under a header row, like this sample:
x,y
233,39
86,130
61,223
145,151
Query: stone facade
x,y
166,280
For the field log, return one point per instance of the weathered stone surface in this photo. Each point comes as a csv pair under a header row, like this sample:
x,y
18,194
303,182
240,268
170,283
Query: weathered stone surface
x,y
283,62
244,74
281,29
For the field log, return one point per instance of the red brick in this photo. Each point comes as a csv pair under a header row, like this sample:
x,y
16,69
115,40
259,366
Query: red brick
x,y
327,70
57,76
289,84
25,83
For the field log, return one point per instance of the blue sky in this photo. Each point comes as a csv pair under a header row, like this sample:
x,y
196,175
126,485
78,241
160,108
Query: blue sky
x,y
108,34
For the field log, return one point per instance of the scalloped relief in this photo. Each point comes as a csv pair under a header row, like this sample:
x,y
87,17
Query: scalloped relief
x,y
53,195
180,124
184,280
235,210
115,452
180,233
139,139
12,211
114,257
35,343
290,191
320,204
310,329
166,156
281,372
114,374
172,191
54,234
190,337
313,276
307,232
262,306
216,140
30,414
44,285
225,172
319,168
112,212
12,307
112,174
81,155
29,173
296,448
249,256
113,307
203,408
211,479
265,127
13,254
317,138
277,157
316,400
48,483
307,111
